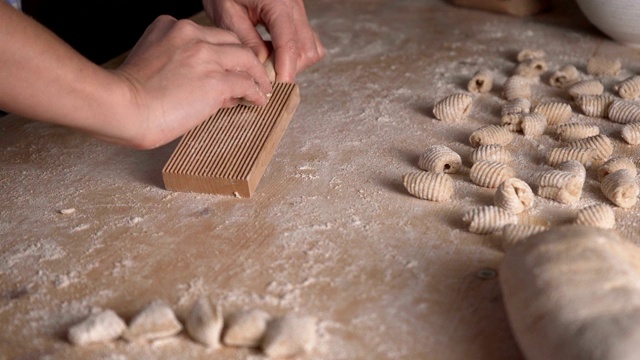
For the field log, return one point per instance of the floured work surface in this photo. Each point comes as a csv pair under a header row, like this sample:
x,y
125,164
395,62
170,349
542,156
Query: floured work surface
x,y
228,153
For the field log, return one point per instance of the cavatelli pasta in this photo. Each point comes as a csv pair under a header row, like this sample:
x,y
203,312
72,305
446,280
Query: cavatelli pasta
x,y
512,233
490,174
528,54
586,87
515,87
614,164
488,219
514,195
562,154
597,215
454,107
562,186
513,122
481,82
516,106
491,152
631,133
564,76
576,131
429,185
620,187
533,124
574,167
595,105
629,88
602,66
490,134
441,159
556,112
531,68
601,143
624,112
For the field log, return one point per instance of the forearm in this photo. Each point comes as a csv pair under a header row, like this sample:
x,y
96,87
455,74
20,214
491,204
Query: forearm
x,y
44,79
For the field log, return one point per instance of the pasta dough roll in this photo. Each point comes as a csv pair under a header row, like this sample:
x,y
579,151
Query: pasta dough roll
x,y
533,124
453,108
620,187
601,143
481,82
491,134
624,112
614,164
562,186
515,87
512,233
513,195
556,112
576,131
595,105
629,88
491,152
488,219
490,174
439,158
562,154
597,215
631,133
602,66
429,185
564,76
586,87
531,68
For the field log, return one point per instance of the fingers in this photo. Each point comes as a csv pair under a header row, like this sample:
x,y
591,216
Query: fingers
x,y
236,58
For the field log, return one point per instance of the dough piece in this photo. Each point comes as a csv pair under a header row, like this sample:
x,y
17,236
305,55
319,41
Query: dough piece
x,y
564,76
586,87
562,186
620,187
573,292
576,131
574,167
488,219
624,112
562,154
595,105
601,143
598,215
513,122
204,323
514,195
530,54
490,134
453,108
439,158
481,82
490,174
602,66
631,133
100,327
531,68
429,185
289,336
629,89
516,106
512,233
245,328
556,112
155,321
491,152
533,124
614,164
515,87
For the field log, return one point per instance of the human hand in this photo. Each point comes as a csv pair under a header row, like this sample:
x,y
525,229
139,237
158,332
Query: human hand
x,y
180,73
295,43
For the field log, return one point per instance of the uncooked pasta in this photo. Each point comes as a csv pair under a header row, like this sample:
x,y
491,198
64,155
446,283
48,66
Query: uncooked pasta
x,y
439,158
453,108
429,185
488,219
490,174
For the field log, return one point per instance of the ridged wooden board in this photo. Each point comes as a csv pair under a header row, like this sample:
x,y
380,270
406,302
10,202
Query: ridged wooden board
x,y
228,153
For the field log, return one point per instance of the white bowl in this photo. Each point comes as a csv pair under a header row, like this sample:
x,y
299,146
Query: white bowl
x,y
619,19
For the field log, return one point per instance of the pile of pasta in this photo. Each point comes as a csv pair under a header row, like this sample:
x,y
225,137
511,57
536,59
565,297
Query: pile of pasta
x,y
287,336
581,147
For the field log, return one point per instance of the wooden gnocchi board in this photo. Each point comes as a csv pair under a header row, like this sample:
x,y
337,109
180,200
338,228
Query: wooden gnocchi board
x,y
228,153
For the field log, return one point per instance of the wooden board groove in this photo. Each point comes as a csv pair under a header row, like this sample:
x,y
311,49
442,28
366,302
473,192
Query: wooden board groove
x,y
228,153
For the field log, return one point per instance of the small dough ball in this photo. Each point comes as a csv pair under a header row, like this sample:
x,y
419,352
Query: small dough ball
x,y
97,328
155,321
289,336
245,328
204,323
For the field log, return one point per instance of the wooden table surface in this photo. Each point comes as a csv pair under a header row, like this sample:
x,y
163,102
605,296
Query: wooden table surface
x,y
331,231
